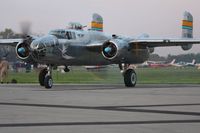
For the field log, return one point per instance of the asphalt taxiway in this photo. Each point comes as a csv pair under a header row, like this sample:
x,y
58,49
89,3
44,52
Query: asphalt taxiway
x,y
100,109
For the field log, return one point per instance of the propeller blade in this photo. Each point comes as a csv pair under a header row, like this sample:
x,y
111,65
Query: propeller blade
x,y
25,28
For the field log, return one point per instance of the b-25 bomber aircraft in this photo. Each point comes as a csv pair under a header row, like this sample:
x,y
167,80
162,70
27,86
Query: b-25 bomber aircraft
x,y
75,46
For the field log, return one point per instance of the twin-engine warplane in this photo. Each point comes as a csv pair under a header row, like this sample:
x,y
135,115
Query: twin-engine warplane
x,y
75,46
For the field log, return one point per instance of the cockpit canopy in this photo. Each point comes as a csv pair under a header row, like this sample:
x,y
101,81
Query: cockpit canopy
x,y
67,34
75,26
74,31
63,34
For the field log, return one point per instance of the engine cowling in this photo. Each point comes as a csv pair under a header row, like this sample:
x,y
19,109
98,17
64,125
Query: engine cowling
x,y
113,49
23,52
187,47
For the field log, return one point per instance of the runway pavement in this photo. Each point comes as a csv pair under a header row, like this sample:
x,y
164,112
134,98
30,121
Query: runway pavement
x,y
100,109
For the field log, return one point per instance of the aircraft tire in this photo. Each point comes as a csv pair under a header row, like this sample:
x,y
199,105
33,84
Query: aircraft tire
x,y
48,82
130,78
42,75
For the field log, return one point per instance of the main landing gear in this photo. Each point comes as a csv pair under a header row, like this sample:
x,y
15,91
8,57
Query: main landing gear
x,y
45,78
130,77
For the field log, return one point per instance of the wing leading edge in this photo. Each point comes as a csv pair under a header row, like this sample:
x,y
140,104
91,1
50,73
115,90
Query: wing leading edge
x,y
10,42
164,42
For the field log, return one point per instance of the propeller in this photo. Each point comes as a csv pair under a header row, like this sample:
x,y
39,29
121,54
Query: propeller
x,y
25,27
24,48
109,50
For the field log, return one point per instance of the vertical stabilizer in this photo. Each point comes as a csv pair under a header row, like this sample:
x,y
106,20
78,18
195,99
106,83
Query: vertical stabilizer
x,y
187,25
187,29
97,22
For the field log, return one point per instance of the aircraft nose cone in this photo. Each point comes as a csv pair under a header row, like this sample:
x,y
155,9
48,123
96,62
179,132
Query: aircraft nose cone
x,y
34,45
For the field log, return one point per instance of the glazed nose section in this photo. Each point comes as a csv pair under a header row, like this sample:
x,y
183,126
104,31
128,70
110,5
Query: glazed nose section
x,y
43,46
38,49
44,42
36,45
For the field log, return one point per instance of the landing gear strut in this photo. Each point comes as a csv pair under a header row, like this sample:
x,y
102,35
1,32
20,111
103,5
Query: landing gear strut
x,y
130,77
66,69
45,78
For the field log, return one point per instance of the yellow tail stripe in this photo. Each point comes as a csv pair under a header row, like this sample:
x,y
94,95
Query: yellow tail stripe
x,y
187,23
96,25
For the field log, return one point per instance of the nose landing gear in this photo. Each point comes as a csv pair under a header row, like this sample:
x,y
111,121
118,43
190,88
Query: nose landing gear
x,y
130,77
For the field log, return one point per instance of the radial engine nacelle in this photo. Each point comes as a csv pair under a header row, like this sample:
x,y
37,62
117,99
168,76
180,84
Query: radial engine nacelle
x,y
23,51
114,49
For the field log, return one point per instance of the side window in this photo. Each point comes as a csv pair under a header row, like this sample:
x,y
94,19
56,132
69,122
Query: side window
x,y
62,32
80,35
70,35
73,35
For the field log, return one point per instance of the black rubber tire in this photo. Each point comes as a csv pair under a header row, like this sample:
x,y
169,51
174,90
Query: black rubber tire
x,y
130,78
42,75
48,82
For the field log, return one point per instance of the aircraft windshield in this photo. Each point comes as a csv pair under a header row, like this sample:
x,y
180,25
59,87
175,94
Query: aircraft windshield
x,y
62,34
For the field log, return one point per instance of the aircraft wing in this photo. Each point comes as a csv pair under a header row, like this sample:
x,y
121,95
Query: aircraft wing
x,y
185,40
151,43
9,42
95,47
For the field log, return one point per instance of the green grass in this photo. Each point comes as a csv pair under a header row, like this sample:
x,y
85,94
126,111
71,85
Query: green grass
x,y
169,75
113,76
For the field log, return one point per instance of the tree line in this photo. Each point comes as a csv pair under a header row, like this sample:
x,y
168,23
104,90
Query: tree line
x,y
9,33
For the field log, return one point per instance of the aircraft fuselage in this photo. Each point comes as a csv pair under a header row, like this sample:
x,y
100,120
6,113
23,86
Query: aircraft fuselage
x,y
69,47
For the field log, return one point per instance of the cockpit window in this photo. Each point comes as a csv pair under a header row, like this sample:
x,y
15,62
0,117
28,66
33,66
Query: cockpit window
x,y
62,34
70,35
80,35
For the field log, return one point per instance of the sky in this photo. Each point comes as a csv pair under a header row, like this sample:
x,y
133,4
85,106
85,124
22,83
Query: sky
x,y
158,18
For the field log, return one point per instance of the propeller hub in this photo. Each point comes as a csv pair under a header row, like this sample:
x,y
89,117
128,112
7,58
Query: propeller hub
x,y
108,49
21,50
